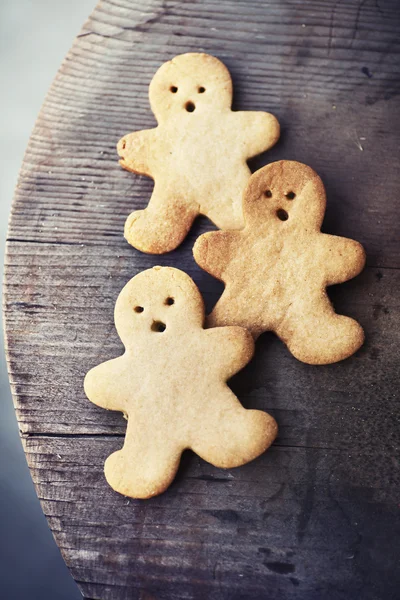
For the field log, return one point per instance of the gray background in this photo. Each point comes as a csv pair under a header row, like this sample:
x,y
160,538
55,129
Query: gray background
x,y
34,37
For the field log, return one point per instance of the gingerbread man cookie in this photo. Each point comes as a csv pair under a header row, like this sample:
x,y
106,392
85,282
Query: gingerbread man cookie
x,y
197,155
277,268
171,385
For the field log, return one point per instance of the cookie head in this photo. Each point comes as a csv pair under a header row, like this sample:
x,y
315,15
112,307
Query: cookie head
x,y
161,300
190,84
285,193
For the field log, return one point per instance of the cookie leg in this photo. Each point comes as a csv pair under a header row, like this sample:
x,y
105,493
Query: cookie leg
x,y
229,311
144,467
226,215
160,227
226,211
319,336
234,437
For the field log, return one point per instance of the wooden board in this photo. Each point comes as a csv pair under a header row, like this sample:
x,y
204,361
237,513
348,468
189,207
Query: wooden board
x,y
318,515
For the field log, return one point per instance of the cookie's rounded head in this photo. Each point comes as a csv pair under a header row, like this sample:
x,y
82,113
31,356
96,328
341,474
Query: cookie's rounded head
x,y
188,85
286,193
161,300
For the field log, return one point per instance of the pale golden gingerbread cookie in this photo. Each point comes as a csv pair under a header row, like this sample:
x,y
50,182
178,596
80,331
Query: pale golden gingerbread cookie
x,y
197,155
277,268
171,385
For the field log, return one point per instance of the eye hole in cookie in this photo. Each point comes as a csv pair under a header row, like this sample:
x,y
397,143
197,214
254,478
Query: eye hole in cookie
x,y
201,90
190,107
138,309
290,195
173,89
282,214
268,194
169,301
123,144
158,326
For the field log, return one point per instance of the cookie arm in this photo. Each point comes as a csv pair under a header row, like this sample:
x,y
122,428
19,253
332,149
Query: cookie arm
x,y
101,385
213,250
340,258
231,348
260,131
134,150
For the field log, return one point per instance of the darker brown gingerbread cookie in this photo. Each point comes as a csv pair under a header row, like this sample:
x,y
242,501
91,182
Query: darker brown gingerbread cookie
x,y
277,268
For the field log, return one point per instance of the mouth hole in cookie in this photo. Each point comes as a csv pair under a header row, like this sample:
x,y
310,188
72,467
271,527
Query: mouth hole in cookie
x,y
138,309
201,89
268,194
290,195
158,326
190,107
169,301
282,214
173,89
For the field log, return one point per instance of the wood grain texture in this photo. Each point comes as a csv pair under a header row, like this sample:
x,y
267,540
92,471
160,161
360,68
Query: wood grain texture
x,y
317,516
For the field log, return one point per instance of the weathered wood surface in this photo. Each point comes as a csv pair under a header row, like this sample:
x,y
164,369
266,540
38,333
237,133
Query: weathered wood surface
x,y
318,515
